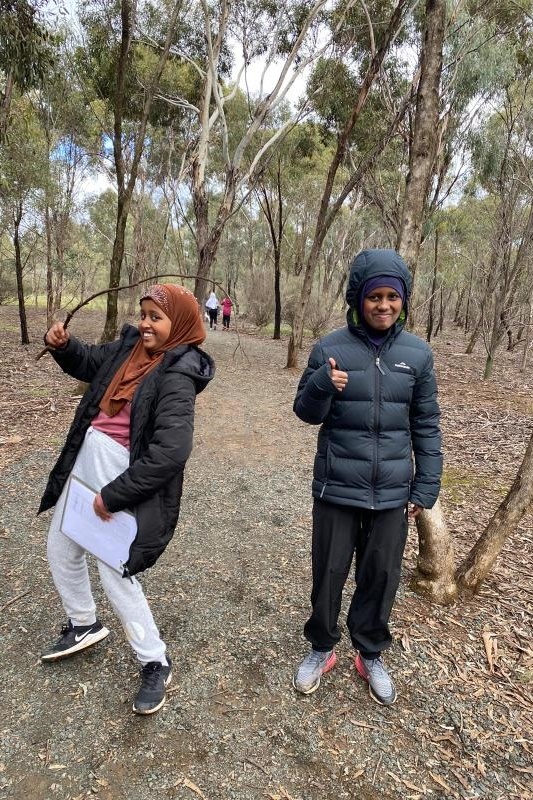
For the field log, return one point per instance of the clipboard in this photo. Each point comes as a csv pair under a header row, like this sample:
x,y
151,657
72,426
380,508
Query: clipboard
x,y
109,541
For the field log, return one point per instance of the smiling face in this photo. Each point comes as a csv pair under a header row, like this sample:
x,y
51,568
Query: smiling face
x,y
382,307
154,326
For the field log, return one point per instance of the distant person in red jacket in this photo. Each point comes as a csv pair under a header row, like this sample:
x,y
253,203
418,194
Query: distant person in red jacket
x,y
227,305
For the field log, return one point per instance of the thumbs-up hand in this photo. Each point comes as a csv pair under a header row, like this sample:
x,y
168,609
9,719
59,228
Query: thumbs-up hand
x,y
338,377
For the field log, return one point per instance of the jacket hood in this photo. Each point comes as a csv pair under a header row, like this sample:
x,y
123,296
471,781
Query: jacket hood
x,y
369,263
193,362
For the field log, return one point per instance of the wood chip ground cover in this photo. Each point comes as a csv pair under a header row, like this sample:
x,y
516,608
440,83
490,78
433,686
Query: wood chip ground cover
x,y
231,595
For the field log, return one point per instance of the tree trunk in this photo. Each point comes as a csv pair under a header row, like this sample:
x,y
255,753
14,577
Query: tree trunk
x,y
442,312
458,314
24,338
297,332
434,576
277,294
57,290
327,214
5,103
207,250
475,335
425,135
201,212
429,326
435,560
110,328
486,550
125,188
49,269
527,340
469,300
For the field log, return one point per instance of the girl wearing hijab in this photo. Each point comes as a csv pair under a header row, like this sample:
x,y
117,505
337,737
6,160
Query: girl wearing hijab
x,y
129,441
371,386
212,307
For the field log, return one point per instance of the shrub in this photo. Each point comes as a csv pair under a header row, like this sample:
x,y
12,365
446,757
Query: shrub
x,y
259,298
8,288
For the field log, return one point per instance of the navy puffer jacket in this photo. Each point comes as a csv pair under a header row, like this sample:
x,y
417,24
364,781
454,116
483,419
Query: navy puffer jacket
x,y
387,412
161,434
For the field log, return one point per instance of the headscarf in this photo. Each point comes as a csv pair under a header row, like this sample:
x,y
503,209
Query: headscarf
x,y
212,301
181,307
377,282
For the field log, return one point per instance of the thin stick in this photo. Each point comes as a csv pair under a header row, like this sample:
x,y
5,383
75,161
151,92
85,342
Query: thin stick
x,y
376,770
70,314
14,600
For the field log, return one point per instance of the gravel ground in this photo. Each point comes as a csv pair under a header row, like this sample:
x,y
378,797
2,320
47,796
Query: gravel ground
x,y
231,595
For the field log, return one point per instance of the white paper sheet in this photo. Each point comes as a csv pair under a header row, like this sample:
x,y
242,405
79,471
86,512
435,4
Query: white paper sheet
x,y
109,541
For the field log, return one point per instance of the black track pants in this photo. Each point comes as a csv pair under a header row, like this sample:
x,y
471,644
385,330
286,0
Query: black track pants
x,y
378,540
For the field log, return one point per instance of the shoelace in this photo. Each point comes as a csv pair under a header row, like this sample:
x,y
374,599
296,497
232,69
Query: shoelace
x,y
150,674
313,659
375,664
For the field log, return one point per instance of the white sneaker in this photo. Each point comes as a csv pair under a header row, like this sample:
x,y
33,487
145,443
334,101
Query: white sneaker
x,y
307,678
380,684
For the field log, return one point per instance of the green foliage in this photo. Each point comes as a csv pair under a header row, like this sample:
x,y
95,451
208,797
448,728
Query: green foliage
x,y
26,45
356,30
334,90
98,59
501,146
23,155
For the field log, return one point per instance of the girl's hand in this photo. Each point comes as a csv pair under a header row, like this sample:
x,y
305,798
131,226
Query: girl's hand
x,y
100,510
338,377
57,336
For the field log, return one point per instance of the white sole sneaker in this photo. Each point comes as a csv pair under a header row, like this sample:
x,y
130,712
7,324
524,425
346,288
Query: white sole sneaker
x,y
79,642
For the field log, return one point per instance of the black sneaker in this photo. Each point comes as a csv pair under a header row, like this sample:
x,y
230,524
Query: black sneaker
x,y
154,679
75,638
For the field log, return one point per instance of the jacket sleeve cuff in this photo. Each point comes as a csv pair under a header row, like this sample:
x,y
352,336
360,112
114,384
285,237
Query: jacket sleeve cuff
x,y
55,349
322,380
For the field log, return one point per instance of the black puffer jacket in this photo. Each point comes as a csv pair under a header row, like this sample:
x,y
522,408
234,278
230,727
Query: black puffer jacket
x,y
387,411
161,433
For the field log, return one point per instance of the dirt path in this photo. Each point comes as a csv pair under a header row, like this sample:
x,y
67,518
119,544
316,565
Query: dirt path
x,y
231,595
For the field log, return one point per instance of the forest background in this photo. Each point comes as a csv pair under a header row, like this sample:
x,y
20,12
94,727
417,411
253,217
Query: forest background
x,y
255,147
411,128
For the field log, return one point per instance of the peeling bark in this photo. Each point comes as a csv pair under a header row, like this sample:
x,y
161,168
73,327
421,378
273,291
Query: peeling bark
x,y
434,576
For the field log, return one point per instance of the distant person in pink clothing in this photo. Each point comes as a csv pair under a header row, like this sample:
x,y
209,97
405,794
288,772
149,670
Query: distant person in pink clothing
x,y
227,305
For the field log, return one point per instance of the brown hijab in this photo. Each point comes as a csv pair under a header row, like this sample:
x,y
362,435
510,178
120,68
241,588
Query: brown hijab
x,y
181,307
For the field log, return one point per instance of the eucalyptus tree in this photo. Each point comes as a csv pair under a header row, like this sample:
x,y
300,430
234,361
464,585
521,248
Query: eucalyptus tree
x,y
375,29
461,69
127,75
279,185
22,179
71,134
26,51
436,568
288,38
424,141
502,157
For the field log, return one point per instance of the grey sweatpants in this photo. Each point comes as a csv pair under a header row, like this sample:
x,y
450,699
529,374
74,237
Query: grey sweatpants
x,y
99,461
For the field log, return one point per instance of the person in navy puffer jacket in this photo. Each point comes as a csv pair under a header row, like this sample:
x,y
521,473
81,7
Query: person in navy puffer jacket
x,y
371,387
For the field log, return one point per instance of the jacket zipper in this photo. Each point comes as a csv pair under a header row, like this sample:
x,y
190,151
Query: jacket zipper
x,y
379,371
327,472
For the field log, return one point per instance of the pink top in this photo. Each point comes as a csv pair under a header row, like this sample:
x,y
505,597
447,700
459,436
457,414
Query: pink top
x,y
117,427
226,306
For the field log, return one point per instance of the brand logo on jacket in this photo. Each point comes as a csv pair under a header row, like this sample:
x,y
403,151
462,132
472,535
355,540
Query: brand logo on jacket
x,y
403,365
